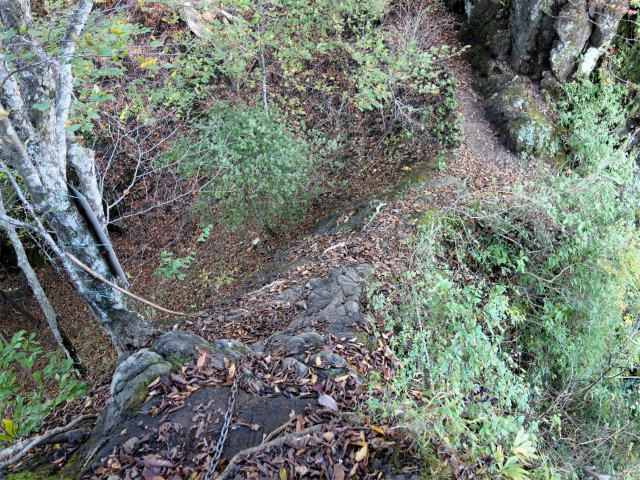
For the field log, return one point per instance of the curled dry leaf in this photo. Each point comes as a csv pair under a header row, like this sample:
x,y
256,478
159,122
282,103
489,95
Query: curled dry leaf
x,y
362,453
329,402
201,361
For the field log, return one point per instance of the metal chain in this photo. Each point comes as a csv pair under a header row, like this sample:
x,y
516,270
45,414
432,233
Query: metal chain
x,y
215,461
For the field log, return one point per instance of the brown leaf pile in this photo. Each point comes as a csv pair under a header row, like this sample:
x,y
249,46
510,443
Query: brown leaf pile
x,y
263,374
339,450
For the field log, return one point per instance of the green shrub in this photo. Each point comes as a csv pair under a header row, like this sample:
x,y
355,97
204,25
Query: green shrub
x,y
452,339
539,302
257,167
593,115
22,414
567,247
387,54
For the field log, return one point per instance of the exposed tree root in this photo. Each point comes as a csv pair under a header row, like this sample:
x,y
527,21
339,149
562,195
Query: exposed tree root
x,y
234,466
14,453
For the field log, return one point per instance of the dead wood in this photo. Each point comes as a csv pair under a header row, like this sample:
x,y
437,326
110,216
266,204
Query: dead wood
x,y
121,290
234,466
14,453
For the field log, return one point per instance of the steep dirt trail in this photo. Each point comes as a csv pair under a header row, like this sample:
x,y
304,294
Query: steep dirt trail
x,y
481,156
479,136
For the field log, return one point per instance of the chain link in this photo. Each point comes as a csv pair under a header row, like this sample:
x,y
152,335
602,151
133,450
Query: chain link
x,y
215,461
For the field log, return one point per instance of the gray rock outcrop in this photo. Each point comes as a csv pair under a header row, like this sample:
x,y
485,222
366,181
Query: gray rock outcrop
x,y
539,36
130,419
333,307
573,27
525,28
139,369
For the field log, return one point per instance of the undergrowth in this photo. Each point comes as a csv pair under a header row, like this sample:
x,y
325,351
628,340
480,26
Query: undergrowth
x,y
517,319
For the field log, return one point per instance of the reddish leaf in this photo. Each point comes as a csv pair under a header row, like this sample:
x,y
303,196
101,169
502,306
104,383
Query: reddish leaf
x,y
156,461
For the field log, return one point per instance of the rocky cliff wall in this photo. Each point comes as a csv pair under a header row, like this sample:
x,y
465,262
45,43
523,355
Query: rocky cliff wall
x,y
534,36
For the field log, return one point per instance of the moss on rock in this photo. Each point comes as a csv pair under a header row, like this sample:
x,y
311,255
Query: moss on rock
x,y
526,128
432,218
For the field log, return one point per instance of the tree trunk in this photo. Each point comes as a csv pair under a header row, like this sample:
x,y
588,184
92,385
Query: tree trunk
x,y
34,108
63,341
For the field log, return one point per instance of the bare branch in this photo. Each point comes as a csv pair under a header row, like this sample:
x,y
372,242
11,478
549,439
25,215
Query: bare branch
x,y
14,453
121,290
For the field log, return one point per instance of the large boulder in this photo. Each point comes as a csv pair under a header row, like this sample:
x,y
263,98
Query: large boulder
x,y
139,369
167,354
520,120
573,26
178,345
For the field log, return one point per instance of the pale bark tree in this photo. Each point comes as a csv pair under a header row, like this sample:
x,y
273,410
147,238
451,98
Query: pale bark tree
x,y
36,90
36,288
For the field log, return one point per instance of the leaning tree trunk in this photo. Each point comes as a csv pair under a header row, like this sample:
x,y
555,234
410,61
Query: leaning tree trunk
x,y
35,100
62,339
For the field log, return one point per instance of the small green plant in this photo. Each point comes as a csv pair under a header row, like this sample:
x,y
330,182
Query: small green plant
x,y
22,414
216,282
171,267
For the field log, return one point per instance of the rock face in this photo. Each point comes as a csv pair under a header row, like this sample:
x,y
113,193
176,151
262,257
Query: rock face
x,y
333,306
573,26
542,35
130,419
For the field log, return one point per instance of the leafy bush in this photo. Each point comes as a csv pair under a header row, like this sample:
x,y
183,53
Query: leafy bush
x,y
568,250
566,245
542,308
385,53
452,340
258,168
594,116
21,414
626,60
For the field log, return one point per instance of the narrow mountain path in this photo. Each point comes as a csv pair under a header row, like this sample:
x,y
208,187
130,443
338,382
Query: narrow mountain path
x,y
479,137
308,346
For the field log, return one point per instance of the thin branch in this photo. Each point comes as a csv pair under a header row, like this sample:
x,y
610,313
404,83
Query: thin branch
x,y
14,453
121,290
234,466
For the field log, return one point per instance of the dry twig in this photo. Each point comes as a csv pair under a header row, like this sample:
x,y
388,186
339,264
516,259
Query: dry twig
x,y
16,452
